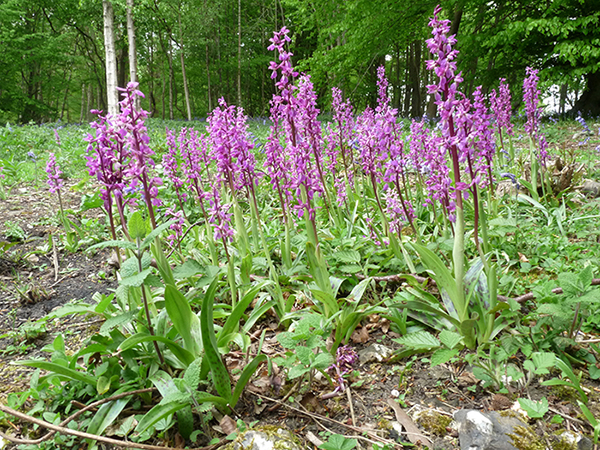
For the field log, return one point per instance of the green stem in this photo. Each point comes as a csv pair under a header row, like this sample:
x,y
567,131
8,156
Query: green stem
x,y
458,258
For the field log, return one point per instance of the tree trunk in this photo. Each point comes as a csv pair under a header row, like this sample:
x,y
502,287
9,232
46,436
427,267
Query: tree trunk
x,y
407,83
81,114
239,67
397,91
151,84
112,95
220,63
171,76
589,102
208,79
167,48
186,90
563,99
415,65
132,48
64,103
457,17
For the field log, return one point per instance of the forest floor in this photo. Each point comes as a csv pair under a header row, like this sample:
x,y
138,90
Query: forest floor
x,y
36,279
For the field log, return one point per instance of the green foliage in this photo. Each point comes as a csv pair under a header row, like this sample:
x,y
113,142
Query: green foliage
x,y
305,346
444,349
535,410
339,442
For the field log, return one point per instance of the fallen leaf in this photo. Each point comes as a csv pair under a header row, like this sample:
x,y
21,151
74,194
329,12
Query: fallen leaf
x,y
314,440
360,335
228,425
413,432
523,258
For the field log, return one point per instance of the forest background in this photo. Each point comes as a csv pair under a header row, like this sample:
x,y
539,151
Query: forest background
x,y
192,52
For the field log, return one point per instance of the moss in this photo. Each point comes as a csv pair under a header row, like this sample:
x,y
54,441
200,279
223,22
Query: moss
x,y
510,413
274,430
289,441
524,438
562,443
434,422
384,424
565,393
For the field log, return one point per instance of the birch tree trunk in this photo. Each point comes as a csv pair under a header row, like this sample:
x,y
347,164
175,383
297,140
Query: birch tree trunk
x,y
112,95
239,68
132,48
183,73
171,76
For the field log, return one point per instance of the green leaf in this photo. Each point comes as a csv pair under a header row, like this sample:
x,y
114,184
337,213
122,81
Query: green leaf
x,y
137,279
158,413
318,269
233,321
443,355
191,375
156,232
90,201
570,284
449,338
185,421
220,374
441,275
297,371
535,410
286,339
117,321
420,340
304,355
188,269
59,370
103,385
59,343
543,361
338,442
347,256
106,415
136,226
71,308
184,320
350,268
180,353
327,300
131,266
594,372
245,378
322,361
586,276
358,291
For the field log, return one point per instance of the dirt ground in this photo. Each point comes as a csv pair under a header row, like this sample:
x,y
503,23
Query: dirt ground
x,y
31,286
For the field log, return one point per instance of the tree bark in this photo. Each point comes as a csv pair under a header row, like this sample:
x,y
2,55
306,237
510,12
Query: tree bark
x,y
81,115
208,79
563,99
112,95
239,67
171,76
132,47
415,77
186,89
589,102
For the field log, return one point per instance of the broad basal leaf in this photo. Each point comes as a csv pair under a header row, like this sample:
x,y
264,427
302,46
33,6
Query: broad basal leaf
x,y
421,340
